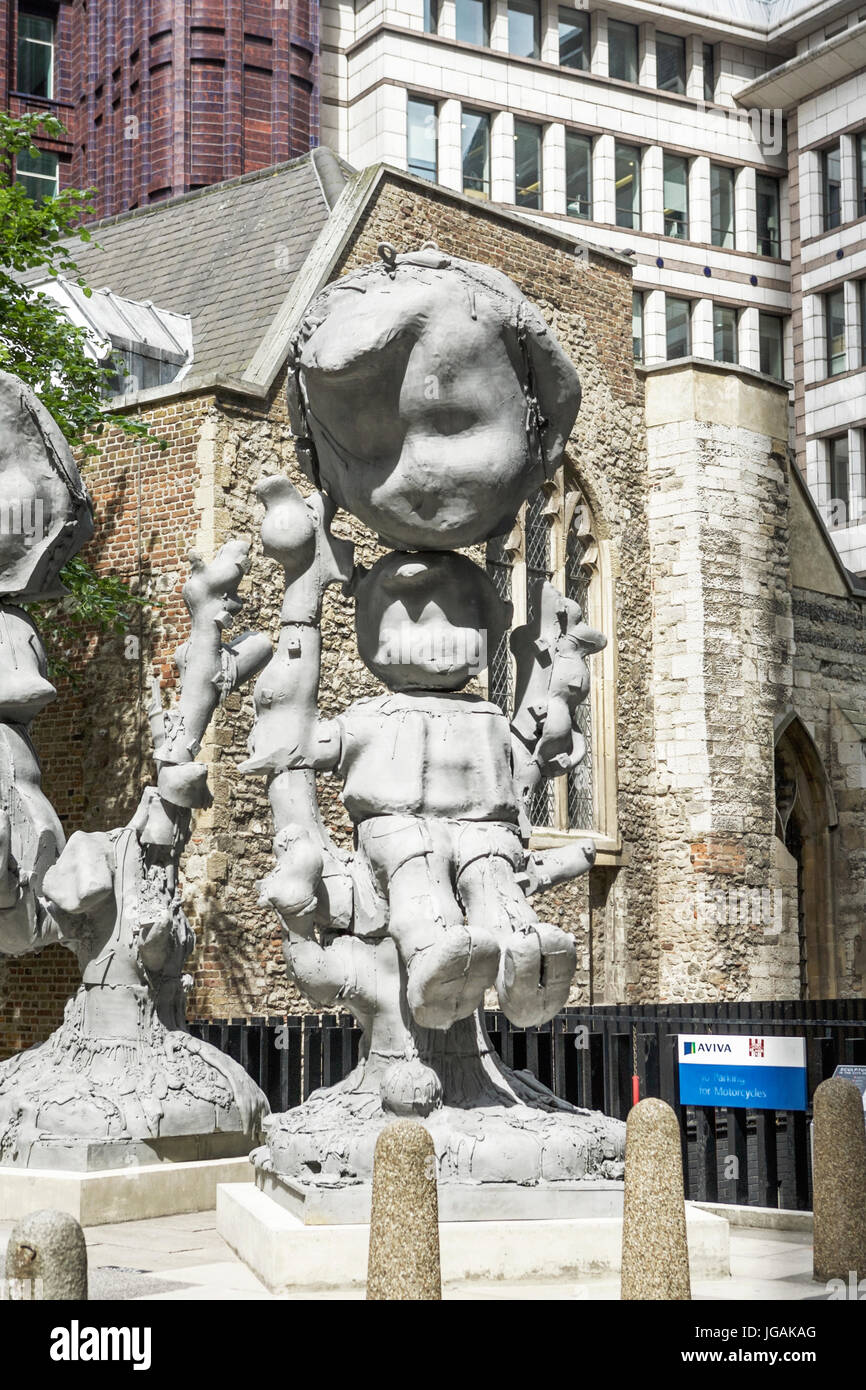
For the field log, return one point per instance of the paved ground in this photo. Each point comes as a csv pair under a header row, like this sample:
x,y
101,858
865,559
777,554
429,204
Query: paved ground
x,y
182,1257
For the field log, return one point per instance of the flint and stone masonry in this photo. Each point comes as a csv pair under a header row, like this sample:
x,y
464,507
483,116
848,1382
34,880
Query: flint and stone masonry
x,y
734,633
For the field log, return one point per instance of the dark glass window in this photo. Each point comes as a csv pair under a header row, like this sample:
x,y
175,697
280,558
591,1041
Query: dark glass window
x,y
35,74
837,459
622,50
724,333
574,50
709,72
421,138
627,181
770,343
578,174
37,174
677,327
834,319
475,146
637,325
431,16
722,205
769,227
861,175
676,195
670,63
473,22
524,28
832,179
527,164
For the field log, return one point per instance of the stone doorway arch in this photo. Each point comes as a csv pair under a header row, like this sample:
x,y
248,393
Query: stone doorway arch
x,y
805,817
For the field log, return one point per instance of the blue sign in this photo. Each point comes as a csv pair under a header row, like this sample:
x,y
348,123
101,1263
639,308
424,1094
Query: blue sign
x,y
727,1069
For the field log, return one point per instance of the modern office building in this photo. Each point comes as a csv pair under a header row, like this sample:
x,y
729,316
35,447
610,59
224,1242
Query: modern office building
x,y
160,97
722,145
717,143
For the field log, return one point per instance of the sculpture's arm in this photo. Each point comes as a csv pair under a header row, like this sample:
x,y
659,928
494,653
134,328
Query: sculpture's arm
x,y
208,668
552,681
296,531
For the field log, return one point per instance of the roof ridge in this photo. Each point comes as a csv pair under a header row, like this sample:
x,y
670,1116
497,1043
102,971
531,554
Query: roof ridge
x,y
197,193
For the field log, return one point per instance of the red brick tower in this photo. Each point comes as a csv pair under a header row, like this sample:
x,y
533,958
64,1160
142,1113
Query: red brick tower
x,y
163,96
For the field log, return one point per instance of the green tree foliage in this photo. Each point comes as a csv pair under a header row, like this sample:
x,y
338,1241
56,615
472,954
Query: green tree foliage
x,y
40,345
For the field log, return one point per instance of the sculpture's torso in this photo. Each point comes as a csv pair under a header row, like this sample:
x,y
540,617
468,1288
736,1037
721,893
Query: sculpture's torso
x,y
427,755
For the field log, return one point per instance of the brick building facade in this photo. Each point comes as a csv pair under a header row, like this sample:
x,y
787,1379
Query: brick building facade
x,y
737,652
162,96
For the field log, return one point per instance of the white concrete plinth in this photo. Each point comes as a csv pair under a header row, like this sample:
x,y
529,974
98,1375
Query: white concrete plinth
x,y
120,1194
287,1255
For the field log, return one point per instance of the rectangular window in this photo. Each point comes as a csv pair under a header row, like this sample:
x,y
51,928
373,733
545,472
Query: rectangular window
x,y
37,174
431,16
622,50
527,164
421,135
722,205
834,322
724,333
831,168
524,28
475,148
863,323
861,175
670,63
676,195
770,345
574,47
473,22
637,325
578,174
677,327
837,470
35,74
709,72
627,180
769,227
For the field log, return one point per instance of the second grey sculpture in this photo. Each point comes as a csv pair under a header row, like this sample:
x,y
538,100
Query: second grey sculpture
x,y
432,400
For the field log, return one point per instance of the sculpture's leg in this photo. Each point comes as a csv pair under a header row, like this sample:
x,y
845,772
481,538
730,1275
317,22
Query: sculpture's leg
x,y
449,964
537,959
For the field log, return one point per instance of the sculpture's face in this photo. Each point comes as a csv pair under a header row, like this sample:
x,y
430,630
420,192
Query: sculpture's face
x,y
24,685
426,621
44,511
415,390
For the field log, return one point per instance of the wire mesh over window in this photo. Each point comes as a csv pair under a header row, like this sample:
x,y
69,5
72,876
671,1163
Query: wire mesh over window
x,y
500,683
577,576
538,570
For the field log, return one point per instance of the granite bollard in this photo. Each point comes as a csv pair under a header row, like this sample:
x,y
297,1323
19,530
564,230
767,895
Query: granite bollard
x,y
839,1172
404,1222
655,1252
46,1259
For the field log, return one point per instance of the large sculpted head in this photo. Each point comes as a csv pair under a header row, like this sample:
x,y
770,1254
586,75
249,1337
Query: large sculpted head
x,y
45,514
427,621
429,398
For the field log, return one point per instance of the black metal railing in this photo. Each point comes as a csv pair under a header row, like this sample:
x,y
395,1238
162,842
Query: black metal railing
x,y
588,1056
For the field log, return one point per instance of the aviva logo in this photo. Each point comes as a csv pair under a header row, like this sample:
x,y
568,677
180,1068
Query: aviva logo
x,y
690,1047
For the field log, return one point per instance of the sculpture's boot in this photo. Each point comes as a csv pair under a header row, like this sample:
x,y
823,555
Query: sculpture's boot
x,y
535,973
447,978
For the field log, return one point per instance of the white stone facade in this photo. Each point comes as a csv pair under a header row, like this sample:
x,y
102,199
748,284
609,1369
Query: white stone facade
x,y
377,56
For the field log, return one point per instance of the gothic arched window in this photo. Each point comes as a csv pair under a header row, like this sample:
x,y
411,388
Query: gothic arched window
x,y
554,540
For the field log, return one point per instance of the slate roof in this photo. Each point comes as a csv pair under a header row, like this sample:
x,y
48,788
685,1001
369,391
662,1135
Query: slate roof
x,y
226,255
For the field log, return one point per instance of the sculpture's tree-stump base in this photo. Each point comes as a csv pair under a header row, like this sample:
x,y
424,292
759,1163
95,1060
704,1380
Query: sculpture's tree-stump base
x,y
493,1125
86,1103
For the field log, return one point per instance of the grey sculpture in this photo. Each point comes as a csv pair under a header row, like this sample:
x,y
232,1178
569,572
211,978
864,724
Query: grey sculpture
x,y
431,399
121,1081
